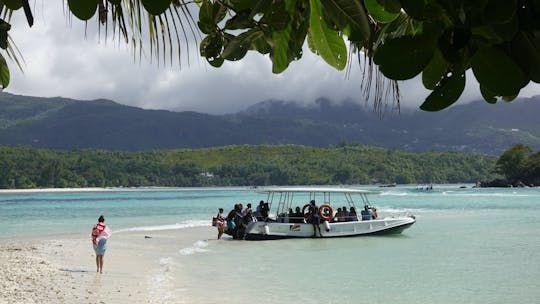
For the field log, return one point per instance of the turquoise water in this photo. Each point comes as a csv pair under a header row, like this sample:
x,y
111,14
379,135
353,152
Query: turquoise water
x,y
468,246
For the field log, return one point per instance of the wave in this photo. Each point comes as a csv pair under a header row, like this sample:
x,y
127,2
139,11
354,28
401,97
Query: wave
x,y
198,246
513,194
161,284
395,193
400,210
187,224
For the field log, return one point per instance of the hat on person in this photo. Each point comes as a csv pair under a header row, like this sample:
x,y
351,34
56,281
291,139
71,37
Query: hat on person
x,y
312,202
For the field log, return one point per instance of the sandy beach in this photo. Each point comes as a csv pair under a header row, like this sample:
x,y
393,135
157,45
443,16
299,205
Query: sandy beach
x,y
63,270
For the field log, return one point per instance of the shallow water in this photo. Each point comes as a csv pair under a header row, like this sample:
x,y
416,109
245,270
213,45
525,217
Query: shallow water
x,y
468,246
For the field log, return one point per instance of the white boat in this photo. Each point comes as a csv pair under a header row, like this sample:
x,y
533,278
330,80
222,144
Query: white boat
x,y
282,225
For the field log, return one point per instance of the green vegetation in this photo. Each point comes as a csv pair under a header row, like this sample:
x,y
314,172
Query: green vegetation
x,y
23,167
439,39
520,164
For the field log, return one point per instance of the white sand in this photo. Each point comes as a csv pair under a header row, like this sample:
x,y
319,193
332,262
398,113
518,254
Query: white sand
x,y
63,270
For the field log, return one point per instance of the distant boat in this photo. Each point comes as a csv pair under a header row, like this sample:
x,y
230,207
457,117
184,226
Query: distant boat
x,y
424,187
281,226
388,185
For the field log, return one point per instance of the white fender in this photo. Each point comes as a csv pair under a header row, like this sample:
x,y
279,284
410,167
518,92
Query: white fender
x,y
327,226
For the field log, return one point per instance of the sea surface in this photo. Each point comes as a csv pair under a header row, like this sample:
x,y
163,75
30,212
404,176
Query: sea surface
x,y
469,245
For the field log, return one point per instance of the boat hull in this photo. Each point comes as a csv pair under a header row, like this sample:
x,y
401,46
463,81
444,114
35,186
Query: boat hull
x,y
275,230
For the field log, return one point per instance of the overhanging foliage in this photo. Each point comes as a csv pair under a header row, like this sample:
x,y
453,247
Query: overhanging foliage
x,y
439,39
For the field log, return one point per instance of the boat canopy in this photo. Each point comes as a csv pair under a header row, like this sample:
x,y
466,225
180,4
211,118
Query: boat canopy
x,y
315,190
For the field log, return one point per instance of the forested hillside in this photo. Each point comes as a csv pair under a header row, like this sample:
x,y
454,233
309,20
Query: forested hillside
x,y
67,124
23,167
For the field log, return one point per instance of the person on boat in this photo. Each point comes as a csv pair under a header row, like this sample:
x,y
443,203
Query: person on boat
x,y
231,225
298,215
247,211
314,218
258,211
373,212
344,214
220,222
265,210
366,214
338,216
240,222
291,215
100,234
352,215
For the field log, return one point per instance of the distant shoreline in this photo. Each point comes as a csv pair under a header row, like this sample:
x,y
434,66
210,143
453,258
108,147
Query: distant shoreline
x,y
92,189
104,189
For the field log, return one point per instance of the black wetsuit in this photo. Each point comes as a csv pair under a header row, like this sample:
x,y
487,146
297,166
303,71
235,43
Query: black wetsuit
x,y
315,220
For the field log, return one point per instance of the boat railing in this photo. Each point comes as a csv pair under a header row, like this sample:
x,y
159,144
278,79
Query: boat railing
x,y
284,218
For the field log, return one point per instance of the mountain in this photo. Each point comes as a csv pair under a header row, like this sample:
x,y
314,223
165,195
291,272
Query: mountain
x,y
66,124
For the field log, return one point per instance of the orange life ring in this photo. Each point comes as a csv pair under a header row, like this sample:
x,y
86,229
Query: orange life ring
x,y
330,212
306,206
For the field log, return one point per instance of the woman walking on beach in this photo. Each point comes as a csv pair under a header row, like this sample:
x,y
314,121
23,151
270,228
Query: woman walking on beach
x,y
100,234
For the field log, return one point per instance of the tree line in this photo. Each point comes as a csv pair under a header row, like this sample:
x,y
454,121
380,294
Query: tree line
x,y
520,166
244,165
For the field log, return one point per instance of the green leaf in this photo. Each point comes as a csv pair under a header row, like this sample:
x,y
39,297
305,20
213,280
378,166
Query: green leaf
x,y
13,4
498,33
379,12
280,42
280,59
391,6
156,7
219,12
488,95
4,29
487,32
240,5
346,13
414,8
260,45
435,71
216,62
279,18
83,9
310,44
500,11
210,15
509,98
446,93
4,72
261,7
328,43
497,72
240,21
237,47
206,15
299,32
404,57
211,46
526,51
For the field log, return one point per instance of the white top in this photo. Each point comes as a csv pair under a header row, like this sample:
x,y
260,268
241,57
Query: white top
x,y
316,190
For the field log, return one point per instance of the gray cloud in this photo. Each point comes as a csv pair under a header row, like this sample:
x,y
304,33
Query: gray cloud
x,y
61,62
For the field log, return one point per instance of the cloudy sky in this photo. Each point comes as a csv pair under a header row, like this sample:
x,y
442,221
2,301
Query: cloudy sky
x,y
60,61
